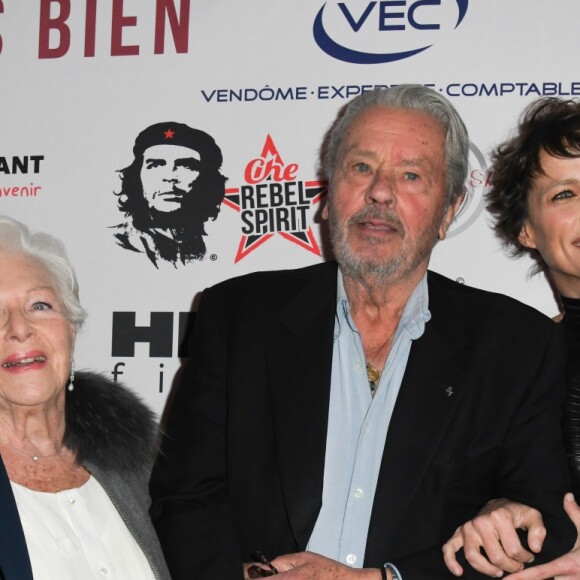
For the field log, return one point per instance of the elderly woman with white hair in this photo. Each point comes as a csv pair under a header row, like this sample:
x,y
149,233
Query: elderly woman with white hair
x,y
77,448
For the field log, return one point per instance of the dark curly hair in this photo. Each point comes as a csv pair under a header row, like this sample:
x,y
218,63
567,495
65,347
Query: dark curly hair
x,y
550,125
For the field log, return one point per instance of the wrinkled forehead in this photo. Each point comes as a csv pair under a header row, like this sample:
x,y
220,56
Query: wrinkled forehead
x,y
170,153
413,132
24,268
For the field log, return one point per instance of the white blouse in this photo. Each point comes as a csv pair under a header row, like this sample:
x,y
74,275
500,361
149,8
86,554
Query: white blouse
x,y
78,534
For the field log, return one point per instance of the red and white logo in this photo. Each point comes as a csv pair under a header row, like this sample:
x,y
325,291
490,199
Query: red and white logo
x,y
274,201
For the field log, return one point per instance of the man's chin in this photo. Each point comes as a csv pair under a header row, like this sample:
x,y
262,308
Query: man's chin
x,y
167,206
358,264
372,257
171,216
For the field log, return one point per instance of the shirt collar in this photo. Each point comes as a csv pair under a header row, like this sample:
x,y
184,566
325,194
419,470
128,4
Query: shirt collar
x,y
415,314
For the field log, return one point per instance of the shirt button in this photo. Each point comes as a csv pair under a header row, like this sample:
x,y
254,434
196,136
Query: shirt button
x,y
72,501
104,571
351,559
357,365
358,493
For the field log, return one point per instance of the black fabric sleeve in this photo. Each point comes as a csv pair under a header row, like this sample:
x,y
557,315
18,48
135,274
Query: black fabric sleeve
x,y
532,469
571,324
188,485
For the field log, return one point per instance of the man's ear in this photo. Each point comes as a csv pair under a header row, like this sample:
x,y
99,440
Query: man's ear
x,y
526,236
324,213
449,215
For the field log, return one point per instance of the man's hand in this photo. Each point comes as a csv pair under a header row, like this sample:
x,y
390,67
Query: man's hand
x,y
566,567
494,530
310,566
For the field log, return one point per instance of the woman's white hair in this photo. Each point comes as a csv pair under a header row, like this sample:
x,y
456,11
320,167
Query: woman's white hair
x,y
16,238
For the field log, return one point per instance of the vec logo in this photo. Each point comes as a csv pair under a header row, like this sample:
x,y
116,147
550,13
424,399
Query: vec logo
x,y
351,31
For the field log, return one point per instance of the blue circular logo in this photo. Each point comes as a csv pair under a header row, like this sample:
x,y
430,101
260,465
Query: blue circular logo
x,y
387,17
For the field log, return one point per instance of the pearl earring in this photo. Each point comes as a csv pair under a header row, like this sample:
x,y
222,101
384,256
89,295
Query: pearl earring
x,y
71,386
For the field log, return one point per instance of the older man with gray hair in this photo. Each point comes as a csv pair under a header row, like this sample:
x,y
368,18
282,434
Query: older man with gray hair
x,y
345,418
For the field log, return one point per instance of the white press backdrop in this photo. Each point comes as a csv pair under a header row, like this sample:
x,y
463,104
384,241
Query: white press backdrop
x,y
82,78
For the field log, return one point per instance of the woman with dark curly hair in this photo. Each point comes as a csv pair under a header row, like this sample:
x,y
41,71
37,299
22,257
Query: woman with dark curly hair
x,y
535,203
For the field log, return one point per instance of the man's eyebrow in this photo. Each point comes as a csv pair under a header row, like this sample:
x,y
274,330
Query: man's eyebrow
x,y
414,162
354,150
409,162
188,159
149,159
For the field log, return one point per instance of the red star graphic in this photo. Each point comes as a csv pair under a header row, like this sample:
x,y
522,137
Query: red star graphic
x,y
169,134
315,191
273,168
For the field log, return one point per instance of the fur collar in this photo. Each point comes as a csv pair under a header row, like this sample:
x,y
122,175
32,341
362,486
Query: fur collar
x,y
108,425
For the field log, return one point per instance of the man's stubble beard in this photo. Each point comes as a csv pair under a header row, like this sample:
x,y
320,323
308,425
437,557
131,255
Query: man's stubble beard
x,y
373,270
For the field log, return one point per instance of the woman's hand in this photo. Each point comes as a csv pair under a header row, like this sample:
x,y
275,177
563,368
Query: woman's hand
x,y
254,570
566,567
494,530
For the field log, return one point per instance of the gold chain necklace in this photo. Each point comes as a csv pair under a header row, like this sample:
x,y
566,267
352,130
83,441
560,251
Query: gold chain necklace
x,y
33,456
373,375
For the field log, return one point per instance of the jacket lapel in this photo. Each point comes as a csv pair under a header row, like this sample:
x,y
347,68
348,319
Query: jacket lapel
x,y
299,366
429,396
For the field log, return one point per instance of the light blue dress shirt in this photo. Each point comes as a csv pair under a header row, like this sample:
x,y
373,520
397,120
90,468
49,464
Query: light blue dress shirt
x,y
357,428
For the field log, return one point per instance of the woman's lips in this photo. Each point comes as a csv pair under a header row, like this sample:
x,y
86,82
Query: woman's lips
x,y
24,361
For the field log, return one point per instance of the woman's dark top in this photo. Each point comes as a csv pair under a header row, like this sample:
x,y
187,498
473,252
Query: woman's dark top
x,y
14,560
571,324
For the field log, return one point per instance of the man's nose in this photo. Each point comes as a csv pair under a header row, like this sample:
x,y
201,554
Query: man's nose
x,y
171,174
381,190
